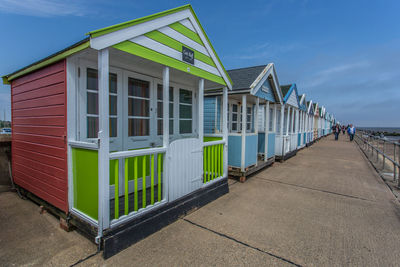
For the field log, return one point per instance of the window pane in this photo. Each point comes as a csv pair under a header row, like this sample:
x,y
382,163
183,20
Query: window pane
x,y
160,92
248,118
91,79
234,117
113,105
234,108
185,96
160,110
113,83
138,107
234,126
92,127
138,127
171,110
248,126
185,111
113,127
92,103
248,110
159,127
138,88
185,126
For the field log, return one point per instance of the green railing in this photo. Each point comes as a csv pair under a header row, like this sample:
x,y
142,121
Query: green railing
x,y
142,180
213,165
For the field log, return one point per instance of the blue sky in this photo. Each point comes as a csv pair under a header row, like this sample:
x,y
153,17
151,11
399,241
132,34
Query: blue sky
x,y
342,54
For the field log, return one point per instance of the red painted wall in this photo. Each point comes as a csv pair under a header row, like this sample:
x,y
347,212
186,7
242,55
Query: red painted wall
x,y
39,129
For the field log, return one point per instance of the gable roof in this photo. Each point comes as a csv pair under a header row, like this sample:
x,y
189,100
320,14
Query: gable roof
x,y
181,20
243,78
287,91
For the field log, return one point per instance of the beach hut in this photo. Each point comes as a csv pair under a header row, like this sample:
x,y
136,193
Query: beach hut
x,y
302,138
252,108
109,131
316,122
310,122
287,138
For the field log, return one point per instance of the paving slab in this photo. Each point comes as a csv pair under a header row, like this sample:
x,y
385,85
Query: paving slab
x,y
184,244
28,238
324,207
301,214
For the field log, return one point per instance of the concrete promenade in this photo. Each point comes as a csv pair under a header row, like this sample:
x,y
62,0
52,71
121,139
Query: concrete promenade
x,y
324,207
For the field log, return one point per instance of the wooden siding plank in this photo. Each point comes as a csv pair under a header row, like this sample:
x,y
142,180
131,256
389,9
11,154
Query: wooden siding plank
x,y
34,164
39,148
58,110
41,130
43,82
40,139
40,121
58,184
45,159
51,69
40,102
52,89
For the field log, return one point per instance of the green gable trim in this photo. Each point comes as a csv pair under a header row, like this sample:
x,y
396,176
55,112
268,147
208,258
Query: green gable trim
x,y
152,55
208,40
46,62
186,31
127,24
130,23
174,44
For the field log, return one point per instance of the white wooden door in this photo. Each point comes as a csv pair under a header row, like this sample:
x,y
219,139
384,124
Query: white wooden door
x,y
185,167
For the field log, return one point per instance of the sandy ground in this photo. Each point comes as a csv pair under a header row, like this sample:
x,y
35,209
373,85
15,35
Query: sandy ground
x,y
325,207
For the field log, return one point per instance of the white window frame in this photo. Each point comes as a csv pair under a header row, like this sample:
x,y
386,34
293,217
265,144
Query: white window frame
x,y
83,65
230,104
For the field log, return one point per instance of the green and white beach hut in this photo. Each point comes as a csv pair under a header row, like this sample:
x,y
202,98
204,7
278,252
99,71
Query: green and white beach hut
x,y
109,131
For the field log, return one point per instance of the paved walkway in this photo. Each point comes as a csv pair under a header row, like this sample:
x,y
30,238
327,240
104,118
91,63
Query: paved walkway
x,y
324,207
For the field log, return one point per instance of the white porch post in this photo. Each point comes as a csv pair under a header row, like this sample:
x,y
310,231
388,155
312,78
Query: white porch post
x,y
201,109
255,119
165,176
266,130
296,130
274,119
287,121
293,128
225,128
256,116
282,119
244,117
104,144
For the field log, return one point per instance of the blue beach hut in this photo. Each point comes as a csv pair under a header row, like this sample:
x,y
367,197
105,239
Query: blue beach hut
x,y
287,138
252,109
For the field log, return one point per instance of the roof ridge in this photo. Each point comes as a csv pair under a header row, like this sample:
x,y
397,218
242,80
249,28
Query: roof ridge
x,y
265,65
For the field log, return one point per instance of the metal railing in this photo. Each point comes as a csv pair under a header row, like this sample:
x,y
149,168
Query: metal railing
x,y
388,150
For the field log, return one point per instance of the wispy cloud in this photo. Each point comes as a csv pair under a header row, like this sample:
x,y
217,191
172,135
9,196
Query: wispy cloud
x,y
44,8
332,73
267,50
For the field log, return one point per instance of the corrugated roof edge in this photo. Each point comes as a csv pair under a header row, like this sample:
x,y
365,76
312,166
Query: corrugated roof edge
x,y
130,23
83,44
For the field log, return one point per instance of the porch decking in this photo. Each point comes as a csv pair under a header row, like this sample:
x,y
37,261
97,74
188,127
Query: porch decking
x,y
261,164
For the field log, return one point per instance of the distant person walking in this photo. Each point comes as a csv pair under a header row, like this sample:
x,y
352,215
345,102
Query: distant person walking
x,y
351,131
343,129
336,131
